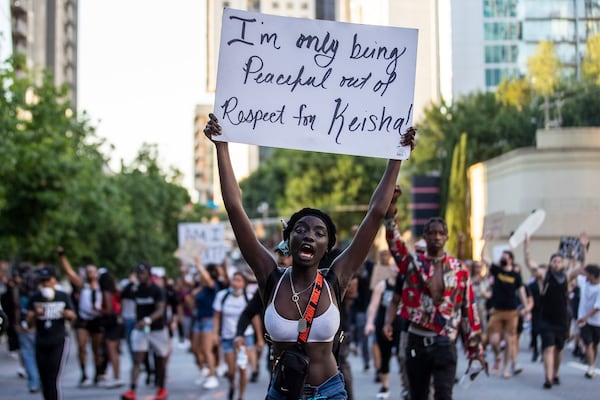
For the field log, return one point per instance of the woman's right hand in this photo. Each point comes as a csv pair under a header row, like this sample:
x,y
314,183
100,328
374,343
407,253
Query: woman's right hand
x,y
393,208
212,127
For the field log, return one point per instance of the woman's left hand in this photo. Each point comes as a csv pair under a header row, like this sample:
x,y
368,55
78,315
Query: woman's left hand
x,y
408,138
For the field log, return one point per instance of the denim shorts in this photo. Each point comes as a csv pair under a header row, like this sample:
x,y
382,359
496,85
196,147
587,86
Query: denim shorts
x,y
227,344
203,325
332,389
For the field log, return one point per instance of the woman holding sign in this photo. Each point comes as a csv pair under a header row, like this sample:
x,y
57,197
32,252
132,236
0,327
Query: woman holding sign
x,y
301,323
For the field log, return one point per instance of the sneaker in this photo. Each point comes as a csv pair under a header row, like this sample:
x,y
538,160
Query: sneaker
x,y
591,372
556,380
199,381
221,370
34,389
384,393
21,373
86,382
211,383
161,394
128,395
254,377
204,372
111,383
516,369
547,385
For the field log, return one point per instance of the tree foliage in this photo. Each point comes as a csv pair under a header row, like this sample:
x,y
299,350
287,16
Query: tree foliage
x,y
339,184
494,126
590,66
457,214
56,189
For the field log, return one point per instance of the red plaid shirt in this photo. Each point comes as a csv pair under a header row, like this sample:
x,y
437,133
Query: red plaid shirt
x,y
457,302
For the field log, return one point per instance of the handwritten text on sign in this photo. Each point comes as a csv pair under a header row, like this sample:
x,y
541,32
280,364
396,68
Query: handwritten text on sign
x,y
210,237
315,85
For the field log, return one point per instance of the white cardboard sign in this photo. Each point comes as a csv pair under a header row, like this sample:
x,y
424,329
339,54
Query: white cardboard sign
x,y
208,239
315,85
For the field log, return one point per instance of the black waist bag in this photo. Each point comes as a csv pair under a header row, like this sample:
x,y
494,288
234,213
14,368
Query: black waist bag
x,y
290,372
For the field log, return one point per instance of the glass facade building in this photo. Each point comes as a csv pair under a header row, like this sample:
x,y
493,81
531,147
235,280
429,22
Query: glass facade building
x,y
514,28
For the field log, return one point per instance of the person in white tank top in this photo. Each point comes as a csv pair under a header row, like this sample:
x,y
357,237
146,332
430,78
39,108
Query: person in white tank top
x,y
309,235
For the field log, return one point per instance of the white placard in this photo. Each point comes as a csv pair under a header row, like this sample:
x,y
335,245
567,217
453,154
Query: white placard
x,y
199,237
315,85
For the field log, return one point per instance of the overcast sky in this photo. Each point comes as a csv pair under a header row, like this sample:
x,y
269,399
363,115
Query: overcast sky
x,y
141,74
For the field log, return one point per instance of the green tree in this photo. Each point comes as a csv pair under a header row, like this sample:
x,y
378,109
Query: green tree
x,y
544,69
493,128
456,212
51,169
155,203
290,179
590,66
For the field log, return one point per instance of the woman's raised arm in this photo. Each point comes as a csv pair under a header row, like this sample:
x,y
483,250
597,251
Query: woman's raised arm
x,y
348,263
256,255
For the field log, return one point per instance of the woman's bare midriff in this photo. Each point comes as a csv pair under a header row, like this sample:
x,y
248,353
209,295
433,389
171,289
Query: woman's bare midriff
x,y
322,361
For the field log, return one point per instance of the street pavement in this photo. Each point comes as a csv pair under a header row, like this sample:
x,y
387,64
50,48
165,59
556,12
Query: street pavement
x,y
183,373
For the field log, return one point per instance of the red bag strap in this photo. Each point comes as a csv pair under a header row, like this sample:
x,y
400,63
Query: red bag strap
x,y
311,308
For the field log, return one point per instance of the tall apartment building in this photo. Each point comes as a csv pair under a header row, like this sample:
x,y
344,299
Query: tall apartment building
x,y
45,31
485,41
245,158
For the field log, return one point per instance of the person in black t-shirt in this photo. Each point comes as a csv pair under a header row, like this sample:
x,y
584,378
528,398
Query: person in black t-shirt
x,y
504,315
554,312
48,309
150,330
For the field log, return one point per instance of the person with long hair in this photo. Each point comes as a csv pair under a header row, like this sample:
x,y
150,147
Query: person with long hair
x,y
309,235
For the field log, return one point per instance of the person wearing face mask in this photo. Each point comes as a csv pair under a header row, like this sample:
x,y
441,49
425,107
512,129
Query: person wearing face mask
x,y
48,310
504,314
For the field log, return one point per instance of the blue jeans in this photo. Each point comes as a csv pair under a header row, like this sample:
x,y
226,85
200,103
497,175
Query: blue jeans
x,y
27,345
331,389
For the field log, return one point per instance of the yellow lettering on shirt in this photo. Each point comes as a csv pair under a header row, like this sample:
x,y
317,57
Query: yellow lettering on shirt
x,y
506,278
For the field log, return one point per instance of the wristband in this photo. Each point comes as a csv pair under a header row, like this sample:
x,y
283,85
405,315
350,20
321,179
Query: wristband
x,y
147,320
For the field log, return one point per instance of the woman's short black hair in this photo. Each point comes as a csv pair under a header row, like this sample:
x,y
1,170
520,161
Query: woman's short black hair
x,y
331,229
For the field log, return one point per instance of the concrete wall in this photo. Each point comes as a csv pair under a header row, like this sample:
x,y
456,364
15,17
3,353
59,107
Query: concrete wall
x,y
561,175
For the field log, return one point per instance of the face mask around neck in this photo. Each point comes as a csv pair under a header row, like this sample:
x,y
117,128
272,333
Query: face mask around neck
x,y
47,292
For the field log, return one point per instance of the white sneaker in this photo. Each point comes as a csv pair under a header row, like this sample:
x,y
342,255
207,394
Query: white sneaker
x,y
87,382
111,383
384,393
591,372
204,372
221,370
21,373
211,383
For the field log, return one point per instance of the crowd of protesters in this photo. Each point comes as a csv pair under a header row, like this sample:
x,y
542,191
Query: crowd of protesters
x,y
214,311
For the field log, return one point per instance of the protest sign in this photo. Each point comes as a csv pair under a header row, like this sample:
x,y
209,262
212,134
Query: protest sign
x,y
571,247
206,240
315,85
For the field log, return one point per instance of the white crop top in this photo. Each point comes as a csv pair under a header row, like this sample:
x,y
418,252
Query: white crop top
x,y
323,329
